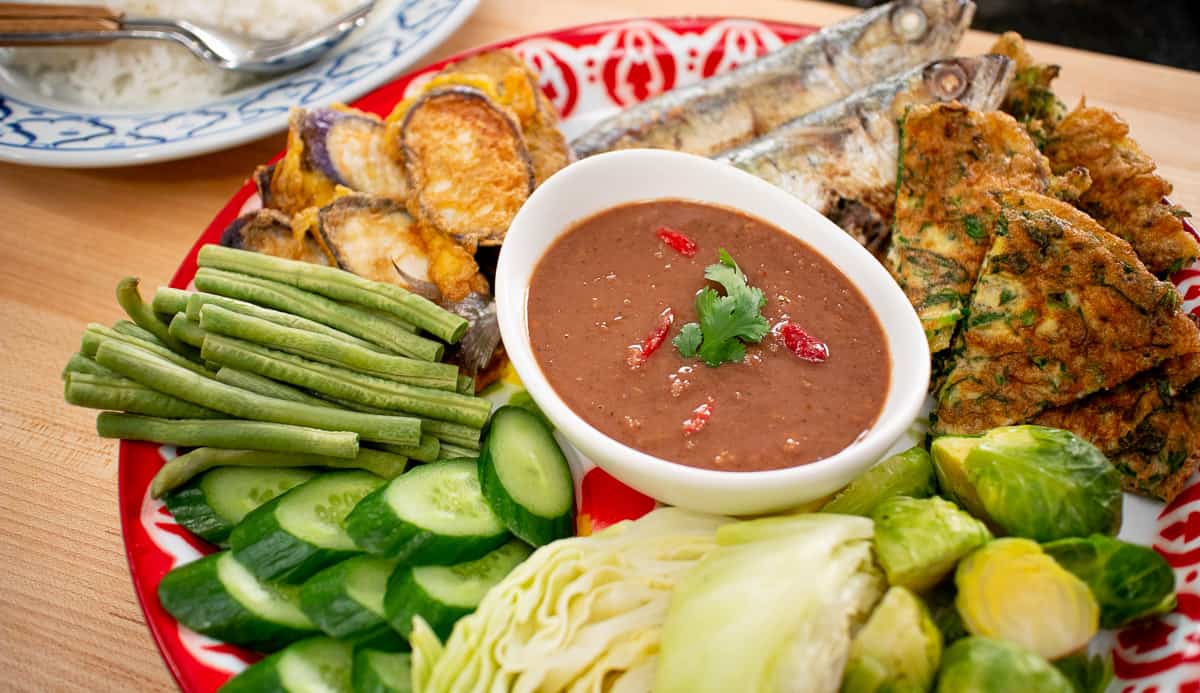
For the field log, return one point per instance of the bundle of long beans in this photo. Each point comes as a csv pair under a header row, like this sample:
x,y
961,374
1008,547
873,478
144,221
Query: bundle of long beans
x,y
284,361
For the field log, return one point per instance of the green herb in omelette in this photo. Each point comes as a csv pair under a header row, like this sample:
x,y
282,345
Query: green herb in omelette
x,y
727,323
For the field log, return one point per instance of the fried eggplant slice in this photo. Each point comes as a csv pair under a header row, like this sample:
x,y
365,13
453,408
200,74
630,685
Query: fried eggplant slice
x,y
516,87
951,158
375,237
1060,310
1127,197
468,167
1163,452
270,232
1030,99
331,147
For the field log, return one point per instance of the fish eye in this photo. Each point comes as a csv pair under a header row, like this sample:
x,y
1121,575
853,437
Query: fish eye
x,y
947,80
909,22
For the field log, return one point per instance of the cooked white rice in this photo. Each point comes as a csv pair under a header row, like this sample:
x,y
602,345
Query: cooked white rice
x,y
161,73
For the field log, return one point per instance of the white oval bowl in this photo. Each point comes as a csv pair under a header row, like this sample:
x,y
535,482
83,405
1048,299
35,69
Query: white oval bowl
x,y
635,175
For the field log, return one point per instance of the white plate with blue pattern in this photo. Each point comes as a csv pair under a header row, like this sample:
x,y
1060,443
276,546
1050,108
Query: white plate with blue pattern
x,y
40,131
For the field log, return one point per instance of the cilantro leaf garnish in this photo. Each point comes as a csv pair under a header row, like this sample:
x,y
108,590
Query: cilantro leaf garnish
x,y
727,323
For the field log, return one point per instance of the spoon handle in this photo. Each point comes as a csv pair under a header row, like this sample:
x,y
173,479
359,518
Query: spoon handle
x,y
31,10
29,24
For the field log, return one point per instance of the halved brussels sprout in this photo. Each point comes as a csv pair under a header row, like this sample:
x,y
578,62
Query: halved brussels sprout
x,y
898,649
1030,481
919,540
984,665
1129,581
1010,589
909,473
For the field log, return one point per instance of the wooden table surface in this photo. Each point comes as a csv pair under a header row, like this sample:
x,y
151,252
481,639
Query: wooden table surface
x,y
68,618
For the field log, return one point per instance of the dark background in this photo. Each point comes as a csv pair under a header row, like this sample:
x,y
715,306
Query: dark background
x,y
1159,31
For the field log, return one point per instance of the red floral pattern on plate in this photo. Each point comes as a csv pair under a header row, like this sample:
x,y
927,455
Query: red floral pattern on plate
x,y
588,71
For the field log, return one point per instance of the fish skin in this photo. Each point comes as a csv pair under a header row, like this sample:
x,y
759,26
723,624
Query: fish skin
x,y
727,110
841,159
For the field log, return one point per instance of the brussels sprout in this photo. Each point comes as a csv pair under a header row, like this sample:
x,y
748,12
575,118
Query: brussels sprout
x,y
1011,589
898,648
1030,481
940,601
1129,581
919,540
1089,674
984,665
909,473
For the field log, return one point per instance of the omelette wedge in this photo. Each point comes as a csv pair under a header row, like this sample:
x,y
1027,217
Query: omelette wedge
x,y
1061,309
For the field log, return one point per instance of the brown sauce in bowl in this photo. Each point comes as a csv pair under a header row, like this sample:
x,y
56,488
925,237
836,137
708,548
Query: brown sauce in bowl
x,y
601,288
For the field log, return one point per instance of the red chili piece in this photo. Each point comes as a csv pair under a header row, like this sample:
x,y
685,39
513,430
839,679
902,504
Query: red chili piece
x,y
803,344
638,353
678,242
700,416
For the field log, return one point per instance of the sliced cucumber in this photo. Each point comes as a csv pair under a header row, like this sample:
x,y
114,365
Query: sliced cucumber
x,y
382,672
316,665
433,515
346,601
443,594
525,477
297,534
218,597
212,504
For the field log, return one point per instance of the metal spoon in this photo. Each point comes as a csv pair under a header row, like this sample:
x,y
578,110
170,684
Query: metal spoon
x,y
26,24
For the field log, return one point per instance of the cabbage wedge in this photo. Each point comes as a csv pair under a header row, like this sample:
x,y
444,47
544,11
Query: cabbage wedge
x,y
771,609
581,614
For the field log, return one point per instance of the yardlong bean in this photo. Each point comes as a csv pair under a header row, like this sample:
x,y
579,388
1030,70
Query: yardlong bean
x,y
228,433
341,285
78,363
143,315
157,373
199,299
427,451
273,388
186,331
375,328
466,384
343,384
123,394
97,334
184,468
318,347
131,329
453,433
168,301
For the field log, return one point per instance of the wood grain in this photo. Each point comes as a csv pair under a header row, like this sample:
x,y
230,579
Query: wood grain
x,y
68,618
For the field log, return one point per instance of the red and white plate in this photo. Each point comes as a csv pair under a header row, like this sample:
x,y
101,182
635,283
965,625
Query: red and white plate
x,y
589,72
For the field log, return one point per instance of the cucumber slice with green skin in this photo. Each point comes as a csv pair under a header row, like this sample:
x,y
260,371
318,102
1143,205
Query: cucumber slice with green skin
x,y
525,477
211,505
443,594
294,536
218,597
382,672
316,665
346,601
433,515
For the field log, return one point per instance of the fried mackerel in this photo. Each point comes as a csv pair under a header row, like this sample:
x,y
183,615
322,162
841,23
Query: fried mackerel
x,y
1061,309
1144,425
730,109
841,159
1126,196
951,159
